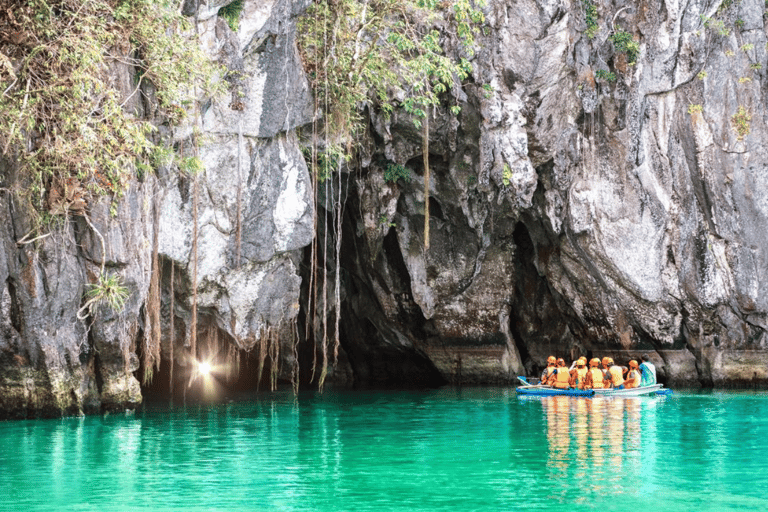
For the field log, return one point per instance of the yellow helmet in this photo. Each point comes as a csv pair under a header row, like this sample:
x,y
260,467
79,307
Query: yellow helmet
x,y
551,360
633,364
594,362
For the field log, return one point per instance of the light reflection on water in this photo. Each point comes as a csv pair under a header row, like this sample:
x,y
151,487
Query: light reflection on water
x,y
448,449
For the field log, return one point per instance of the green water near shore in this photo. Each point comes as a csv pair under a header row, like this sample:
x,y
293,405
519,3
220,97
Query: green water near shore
x,y
447,449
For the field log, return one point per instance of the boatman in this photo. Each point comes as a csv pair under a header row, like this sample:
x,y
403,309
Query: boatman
x,y
548,370
560,377
647,371
594,378
615,375
579,373
633,376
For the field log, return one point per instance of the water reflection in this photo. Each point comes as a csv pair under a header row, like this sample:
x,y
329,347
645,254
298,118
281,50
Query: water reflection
x,y
597,442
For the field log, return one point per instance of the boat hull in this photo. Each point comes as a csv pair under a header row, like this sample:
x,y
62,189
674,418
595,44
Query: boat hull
x,y
656,389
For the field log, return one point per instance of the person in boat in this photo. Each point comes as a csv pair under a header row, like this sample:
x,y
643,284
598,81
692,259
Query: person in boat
x,y
594,377
579,373
633,376
647,371
549,369
604,365
560,377
615,375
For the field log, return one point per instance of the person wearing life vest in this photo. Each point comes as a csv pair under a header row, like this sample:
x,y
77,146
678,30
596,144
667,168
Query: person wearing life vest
x,y
605,364
579,373
594,377
633,376
647,371
560,377
549,369
615,375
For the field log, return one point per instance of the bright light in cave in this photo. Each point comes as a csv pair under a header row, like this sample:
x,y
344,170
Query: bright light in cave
x,y
204,368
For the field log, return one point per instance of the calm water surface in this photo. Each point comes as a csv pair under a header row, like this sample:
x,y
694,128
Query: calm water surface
x,y
448,449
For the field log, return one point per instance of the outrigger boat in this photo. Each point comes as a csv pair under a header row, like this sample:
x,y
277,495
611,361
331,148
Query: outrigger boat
x,y
541,390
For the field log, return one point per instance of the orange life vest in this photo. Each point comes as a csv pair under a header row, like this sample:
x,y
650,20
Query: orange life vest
x,y
581,374
597,378
562,379
616,377
633,379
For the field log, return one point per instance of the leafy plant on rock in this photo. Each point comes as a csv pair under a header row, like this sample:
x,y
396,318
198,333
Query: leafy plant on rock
x,y
63,118
624,43
741,122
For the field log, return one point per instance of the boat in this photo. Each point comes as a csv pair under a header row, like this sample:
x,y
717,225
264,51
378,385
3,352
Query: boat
x,y
542,390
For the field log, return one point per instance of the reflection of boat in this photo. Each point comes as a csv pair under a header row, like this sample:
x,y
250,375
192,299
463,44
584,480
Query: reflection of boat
x,y
540,390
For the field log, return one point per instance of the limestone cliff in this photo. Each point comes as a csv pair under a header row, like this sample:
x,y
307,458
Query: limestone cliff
x,y
581,204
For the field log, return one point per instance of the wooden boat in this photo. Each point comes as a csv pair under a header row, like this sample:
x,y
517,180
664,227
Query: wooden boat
x,y
542,390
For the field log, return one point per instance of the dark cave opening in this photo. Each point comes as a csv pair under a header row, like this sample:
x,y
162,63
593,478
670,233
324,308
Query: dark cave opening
x,y
537,322
377,350
233,372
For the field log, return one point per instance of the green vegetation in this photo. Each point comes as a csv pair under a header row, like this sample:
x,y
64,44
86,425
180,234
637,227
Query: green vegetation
x,y
716,25
231,13
357,53
747,47
702,75
109,290
756,66
624,43
62,118
694,108
603,74
488,91
744,79
507,175
741,122
590,16
394,172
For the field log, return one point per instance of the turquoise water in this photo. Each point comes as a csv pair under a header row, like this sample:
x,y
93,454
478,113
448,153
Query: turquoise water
x,y
448,449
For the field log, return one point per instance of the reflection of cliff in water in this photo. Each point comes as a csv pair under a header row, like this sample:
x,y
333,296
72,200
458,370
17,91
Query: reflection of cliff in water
x,y
599,441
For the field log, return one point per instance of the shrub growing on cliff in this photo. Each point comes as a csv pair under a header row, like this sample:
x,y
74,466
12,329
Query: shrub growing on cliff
x,y
741,122
624,43
63,118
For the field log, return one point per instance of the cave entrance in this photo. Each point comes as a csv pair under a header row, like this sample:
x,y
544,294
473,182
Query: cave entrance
x,y
221,372
537,322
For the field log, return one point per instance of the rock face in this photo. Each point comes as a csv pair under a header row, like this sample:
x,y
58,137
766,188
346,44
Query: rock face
x,y
631,223
571,214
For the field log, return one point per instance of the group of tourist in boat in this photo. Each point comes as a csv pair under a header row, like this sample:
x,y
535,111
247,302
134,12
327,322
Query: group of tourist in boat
x,y
598,374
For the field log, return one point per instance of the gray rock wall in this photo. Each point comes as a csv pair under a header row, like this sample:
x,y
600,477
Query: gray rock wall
x,y
642,224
